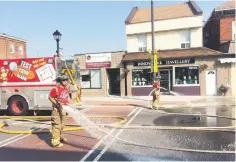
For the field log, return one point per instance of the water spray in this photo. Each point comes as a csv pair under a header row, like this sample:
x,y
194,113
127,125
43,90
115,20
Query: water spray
x,y
99,133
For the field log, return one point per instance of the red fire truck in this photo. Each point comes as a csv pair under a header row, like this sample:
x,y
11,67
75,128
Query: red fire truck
x,y
25,83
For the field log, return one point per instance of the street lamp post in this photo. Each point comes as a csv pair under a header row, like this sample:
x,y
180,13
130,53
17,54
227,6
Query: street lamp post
x,y
57,37
153,39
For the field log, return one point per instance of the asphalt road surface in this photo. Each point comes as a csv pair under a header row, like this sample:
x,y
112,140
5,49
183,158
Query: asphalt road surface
x,y
83,147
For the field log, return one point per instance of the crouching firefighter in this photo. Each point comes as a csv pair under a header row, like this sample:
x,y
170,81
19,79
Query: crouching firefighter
x,y
59,96
156,93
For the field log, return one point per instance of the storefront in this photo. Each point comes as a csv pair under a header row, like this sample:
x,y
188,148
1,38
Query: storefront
x,y
180,75
100,73
184,71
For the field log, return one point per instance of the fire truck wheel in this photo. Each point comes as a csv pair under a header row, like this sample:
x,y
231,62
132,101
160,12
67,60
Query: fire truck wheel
x,y
18,106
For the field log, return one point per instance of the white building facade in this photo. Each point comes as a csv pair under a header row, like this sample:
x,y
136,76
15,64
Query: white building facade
x,y
184,64
169,34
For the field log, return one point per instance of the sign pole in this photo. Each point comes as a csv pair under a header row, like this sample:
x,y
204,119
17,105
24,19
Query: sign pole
x,y
153,41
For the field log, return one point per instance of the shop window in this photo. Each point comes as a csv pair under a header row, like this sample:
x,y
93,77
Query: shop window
x,y
12,49
142,77
91,78
186,75
185,38
142,42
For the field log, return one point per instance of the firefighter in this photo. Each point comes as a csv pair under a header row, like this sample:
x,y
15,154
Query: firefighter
x,y
156,93
59,96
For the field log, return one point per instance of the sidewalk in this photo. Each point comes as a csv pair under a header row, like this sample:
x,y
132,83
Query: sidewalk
x,y
162,97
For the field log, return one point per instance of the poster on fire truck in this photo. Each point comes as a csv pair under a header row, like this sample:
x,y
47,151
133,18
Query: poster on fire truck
x,y
27,70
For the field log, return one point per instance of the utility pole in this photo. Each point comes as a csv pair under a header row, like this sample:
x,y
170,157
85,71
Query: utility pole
x,y
153,39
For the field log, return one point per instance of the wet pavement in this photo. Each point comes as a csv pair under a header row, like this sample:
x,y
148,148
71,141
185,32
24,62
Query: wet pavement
x,y
82,146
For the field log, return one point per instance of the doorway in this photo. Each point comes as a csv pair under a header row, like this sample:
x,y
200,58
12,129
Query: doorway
x,y
166,80
113,81
211,82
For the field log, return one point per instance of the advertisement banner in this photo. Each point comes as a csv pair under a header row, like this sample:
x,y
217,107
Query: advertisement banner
x,y
98,60
28,70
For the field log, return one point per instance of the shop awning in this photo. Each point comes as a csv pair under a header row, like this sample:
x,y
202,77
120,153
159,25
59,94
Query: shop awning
x,y
227,60
173,53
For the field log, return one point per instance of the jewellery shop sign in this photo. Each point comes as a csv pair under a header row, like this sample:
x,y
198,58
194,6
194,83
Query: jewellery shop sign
x,y
166,62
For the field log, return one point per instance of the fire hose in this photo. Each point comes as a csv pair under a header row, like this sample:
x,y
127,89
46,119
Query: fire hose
x,y
118,125
48,118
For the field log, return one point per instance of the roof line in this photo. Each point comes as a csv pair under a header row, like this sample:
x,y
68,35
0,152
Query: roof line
x,y
194,7
191,4
11,37
163,19
193,48
222,55
99,52
208,18
225,9
131,15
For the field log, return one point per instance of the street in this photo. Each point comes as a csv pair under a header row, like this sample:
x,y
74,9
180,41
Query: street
x,y
81,146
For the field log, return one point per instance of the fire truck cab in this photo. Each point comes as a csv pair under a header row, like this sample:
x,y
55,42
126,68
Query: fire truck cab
x,y
26,83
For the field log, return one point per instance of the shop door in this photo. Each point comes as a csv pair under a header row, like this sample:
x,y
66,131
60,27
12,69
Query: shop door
x,y
211,82
114,81
165,80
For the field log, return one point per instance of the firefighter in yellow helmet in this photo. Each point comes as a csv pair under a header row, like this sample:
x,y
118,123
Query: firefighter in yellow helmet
x,y
59,96
156,93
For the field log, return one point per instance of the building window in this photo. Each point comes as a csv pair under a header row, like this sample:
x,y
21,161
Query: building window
x,y
186,75
91,78
142,42
233,30
185,38
142,77
20,48
12,49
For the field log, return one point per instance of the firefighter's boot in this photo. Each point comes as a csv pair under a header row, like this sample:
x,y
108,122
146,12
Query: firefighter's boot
x,y
56,143
63,140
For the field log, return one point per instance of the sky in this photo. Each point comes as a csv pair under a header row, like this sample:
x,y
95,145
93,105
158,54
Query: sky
x,y
86,26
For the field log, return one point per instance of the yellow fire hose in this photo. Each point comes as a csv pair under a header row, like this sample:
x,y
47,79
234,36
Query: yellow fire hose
x,y
48,118
115,125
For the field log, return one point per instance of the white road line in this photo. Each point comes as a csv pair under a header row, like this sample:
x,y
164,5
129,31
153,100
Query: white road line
x,y
102,140
42,127
22,137
13,136
10,138
132,112
107,146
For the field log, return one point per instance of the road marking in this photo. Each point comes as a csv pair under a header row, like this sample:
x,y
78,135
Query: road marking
x,y
10,138
132,112
42,127
103,139
23,136
107,146
13,136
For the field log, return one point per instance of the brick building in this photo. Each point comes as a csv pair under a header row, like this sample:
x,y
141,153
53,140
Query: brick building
x,y
12,47
219,34
185,65
219,30
101,73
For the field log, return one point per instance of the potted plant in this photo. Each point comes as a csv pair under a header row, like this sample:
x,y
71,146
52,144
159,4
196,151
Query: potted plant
x,y
224,89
